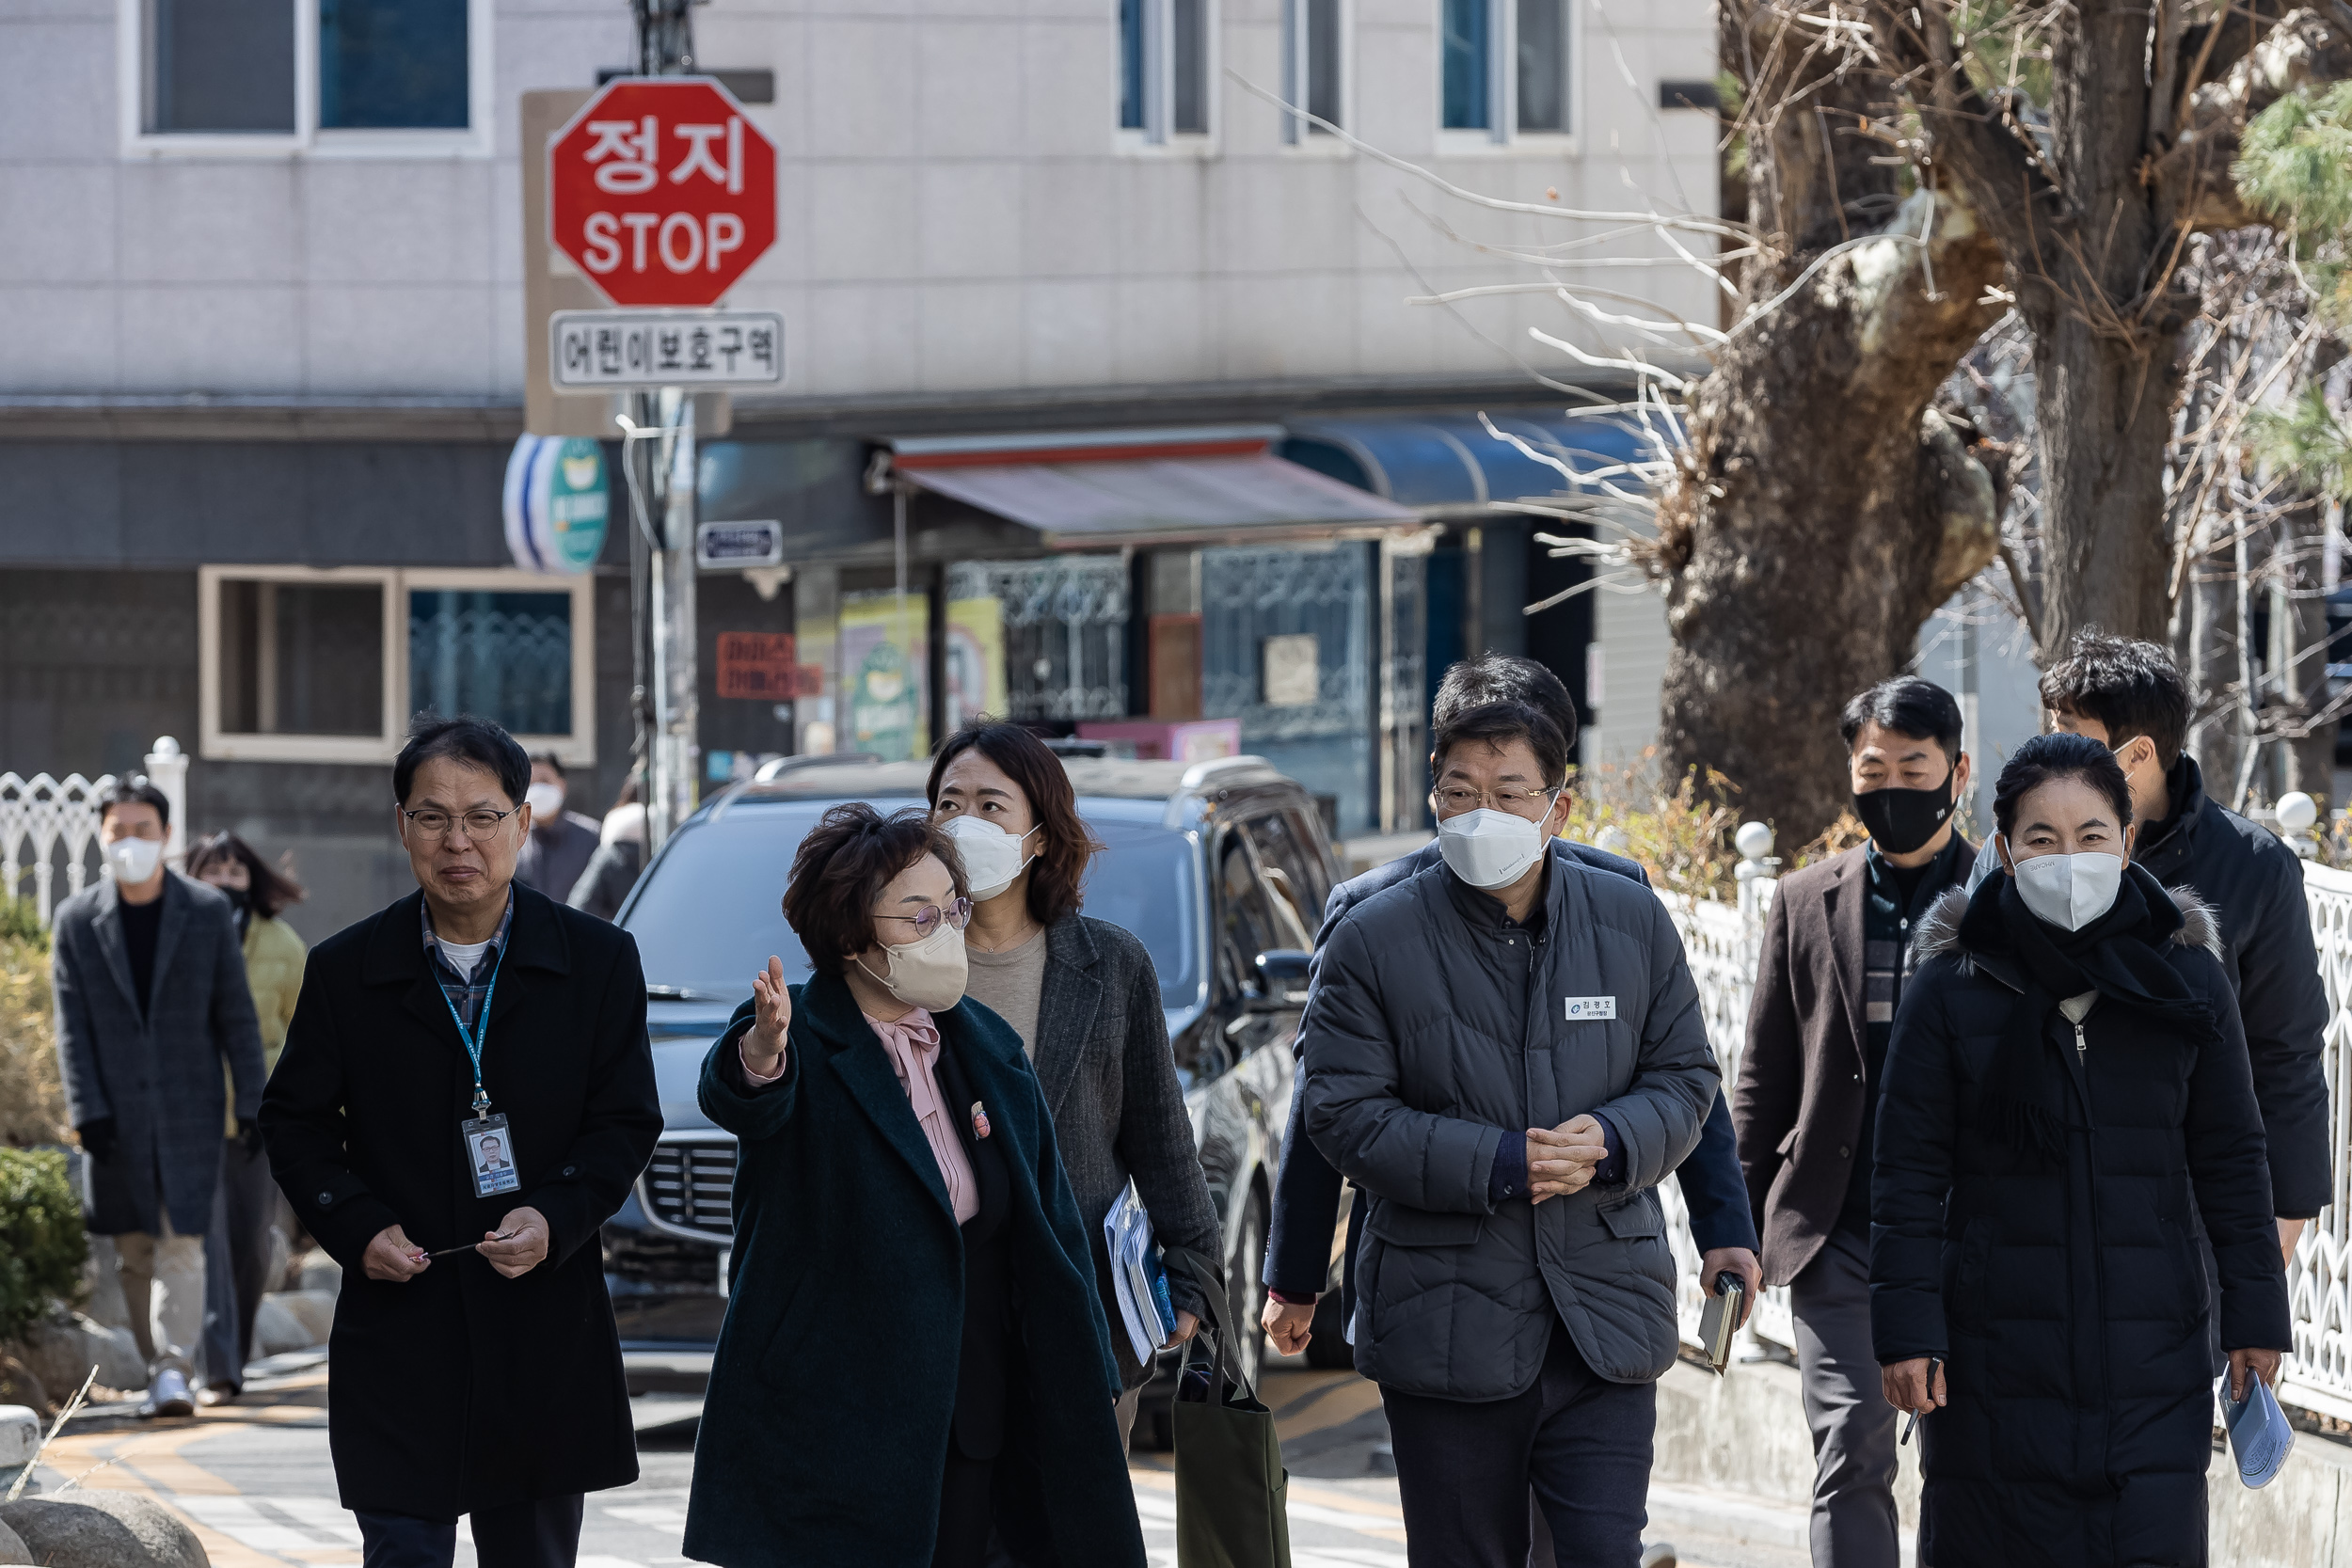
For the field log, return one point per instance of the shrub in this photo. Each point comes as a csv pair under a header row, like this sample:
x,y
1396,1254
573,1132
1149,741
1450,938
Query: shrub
x,y
1681,837
42,1247
32,1100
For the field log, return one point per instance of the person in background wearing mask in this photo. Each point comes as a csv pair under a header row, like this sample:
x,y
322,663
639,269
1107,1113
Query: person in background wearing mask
x,y
620,856
477,1368
2129,697
247,1206
1838,952
2067,1096
1080,993
160,1055
561,843
898,1187
1507,1053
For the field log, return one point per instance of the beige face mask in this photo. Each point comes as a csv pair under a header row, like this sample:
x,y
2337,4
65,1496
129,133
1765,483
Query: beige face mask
x,y
929,974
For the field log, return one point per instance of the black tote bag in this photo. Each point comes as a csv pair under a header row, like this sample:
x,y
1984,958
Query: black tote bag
x,y
1233,1505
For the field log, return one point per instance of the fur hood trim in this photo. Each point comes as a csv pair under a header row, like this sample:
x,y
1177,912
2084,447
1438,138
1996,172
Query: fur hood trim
x,y
1939,929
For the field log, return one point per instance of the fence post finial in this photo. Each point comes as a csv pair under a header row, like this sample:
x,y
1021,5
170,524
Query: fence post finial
x,y
167,765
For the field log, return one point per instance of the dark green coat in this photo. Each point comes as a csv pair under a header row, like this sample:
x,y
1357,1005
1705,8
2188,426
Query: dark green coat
x,y
825,1431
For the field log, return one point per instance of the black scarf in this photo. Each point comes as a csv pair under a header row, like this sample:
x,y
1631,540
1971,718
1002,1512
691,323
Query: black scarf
x,y
2120,955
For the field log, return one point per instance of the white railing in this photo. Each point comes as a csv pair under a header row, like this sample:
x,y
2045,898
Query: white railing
x,y
1724,942
2318,1375
47,824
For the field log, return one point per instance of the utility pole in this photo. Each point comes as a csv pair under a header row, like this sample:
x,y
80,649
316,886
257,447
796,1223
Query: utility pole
x,y
663,573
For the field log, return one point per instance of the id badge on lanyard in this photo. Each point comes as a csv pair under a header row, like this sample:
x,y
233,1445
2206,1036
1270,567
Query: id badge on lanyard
x,y
489,1143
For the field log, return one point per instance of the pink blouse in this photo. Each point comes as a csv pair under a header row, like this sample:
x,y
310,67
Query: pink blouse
x,y
912,1047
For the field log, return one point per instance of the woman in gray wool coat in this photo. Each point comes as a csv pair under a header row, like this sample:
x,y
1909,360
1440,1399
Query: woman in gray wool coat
x,y
1086,1001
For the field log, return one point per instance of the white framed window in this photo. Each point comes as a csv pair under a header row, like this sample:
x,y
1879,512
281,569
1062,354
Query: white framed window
x,y
326,664
1505,71
367,78
1166,72
1314,68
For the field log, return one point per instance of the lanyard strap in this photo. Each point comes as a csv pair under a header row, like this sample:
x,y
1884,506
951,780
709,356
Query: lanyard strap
x,y
474,1037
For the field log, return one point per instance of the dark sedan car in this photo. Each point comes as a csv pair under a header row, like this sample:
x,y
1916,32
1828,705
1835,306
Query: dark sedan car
x,y
1221,868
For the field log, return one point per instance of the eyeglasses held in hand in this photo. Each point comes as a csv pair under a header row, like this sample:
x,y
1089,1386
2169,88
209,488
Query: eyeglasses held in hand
x,y
926,920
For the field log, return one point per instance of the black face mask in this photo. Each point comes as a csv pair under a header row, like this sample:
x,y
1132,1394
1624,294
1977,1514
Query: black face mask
x,y
238,897
1903,820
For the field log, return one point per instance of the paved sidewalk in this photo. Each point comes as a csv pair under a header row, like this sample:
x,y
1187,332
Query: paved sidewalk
x,y
255,1481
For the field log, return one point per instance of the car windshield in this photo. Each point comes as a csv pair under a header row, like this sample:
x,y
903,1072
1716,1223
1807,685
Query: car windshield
x,y
710,911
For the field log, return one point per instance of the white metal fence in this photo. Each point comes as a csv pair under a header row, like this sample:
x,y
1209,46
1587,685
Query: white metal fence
x,y
1724,942
51,824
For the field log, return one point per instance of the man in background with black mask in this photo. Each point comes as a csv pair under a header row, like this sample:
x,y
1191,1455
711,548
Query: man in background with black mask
x,y
1837,954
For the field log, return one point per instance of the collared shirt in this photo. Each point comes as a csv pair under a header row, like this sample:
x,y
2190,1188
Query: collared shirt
x,y
466,992
911,1044
1893,901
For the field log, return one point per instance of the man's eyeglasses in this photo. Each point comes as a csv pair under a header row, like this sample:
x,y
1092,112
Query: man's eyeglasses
x,y
1457,798
926,920
479,825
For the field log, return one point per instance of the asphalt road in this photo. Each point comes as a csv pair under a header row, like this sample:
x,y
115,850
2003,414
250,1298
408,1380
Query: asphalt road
x,y
255,1481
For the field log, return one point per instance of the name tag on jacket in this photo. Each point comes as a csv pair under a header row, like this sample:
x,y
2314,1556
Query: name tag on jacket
x,y
1581,1008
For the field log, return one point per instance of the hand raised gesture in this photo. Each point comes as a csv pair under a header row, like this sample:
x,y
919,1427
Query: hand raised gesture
x,y
763,1048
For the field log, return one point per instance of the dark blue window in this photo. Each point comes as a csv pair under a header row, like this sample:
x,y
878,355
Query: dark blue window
x,y
507,656
1467,57
1131,65
392,65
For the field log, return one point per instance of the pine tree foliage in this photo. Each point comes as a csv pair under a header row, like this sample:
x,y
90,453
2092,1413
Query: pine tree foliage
x,y
2296,164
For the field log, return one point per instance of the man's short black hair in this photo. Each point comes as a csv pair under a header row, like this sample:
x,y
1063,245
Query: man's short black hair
x,y
552,761
1498,724
2128,687
1503,679
1908,706
136,790
476,742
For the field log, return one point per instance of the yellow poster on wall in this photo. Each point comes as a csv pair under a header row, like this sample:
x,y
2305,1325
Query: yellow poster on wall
x,y
884,651
976,661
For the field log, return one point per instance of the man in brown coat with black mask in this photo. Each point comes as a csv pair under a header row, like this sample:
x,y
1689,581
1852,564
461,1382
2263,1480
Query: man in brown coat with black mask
x,y
1836,953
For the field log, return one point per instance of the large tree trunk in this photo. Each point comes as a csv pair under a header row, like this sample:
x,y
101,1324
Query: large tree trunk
x,y
2106,406
1825,512
1822,512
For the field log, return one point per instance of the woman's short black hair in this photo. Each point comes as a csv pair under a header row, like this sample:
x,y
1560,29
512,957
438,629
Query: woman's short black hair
x,y
136,790
272,890
2060,756
1498,724
841,869
1908,706
1065,846
477,743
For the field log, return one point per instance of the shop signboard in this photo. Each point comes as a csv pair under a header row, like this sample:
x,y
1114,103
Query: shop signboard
x,y
556,503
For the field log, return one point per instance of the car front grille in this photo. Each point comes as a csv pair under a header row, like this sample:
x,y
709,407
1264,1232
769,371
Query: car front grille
x,y
692,1186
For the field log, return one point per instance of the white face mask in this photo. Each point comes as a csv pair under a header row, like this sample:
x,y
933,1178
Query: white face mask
x,y
929,974
134,860
1489,848
2069,891
991,856
544,800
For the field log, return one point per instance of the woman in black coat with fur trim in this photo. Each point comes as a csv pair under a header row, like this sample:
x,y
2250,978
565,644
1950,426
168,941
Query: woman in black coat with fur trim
x,y
2067,1093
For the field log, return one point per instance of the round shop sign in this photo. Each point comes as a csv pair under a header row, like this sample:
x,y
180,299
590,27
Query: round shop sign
x,y
556,503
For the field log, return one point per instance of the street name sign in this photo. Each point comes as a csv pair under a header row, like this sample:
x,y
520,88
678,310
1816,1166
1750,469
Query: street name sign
x,y
623,350
731,547
662,191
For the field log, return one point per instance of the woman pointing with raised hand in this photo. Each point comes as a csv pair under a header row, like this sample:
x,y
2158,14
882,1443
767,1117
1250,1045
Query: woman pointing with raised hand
x,y
912,1332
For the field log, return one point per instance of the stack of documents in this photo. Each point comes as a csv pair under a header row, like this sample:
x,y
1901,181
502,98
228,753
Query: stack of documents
x,y
1136,1275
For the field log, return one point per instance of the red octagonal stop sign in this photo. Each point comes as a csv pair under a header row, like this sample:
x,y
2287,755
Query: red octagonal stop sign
x,y
663,191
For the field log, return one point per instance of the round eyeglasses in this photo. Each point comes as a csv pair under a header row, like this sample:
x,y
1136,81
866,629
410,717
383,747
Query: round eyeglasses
x,y
478,824
957,914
